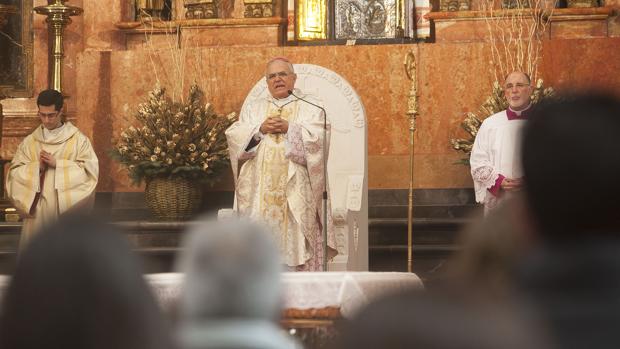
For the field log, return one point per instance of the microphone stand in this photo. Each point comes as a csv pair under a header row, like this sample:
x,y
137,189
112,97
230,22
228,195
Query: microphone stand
x,y
324,232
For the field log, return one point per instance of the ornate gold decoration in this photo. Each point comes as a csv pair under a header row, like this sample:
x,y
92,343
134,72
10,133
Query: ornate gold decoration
x,y
400,17
412,112
495,103
58,17
151,9
311,17
516,4
454,5
21,84
259,8
11,215
369,19
200,9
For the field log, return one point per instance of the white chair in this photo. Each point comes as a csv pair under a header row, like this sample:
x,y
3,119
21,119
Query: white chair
x,y
347,167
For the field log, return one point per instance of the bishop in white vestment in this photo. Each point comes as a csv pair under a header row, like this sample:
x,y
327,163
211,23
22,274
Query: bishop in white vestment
x,y
278,143
495,157
54,169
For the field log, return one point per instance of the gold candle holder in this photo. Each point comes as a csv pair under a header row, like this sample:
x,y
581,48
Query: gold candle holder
x,y
412,112
58,17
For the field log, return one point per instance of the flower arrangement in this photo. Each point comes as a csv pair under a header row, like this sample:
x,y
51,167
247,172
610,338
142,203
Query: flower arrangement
x,y
184,139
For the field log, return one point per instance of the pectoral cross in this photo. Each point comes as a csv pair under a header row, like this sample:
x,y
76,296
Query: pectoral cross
x,y
279,112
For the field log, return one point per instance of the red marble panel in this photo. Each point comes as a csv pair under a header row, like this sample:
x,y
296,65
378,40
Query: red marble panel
x,y
582,64
579,29
376,72
101,33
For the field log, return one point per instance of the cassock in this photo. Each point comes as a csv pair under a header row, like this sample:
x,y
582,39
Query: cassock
x,y
41,194
496,155
281,180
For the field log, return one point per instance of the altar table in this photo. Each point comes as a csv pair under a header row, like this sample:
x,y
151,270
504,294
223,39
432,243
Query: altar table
x,y
325,294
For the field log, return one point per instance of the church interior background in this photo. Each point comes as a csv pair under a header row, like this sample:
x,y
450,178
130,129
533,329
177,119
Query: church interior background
x,y
116,51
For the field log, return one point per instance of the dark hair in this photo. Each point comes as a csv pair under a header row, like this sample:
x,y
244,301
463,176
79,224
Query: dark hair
x,y
77,285
571,163
50,97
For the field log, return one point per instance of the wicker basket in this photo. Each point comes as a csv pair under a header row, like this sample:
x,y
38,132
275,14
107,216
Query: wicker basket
x,y
173,199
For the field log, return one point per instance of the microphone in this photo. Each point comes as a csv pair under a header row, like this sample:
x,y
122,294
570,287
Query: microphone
x,y
290,93
324,223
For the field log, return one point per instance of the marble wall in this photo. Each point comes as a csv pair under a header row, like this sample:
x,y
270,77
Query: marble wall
x,y
106,81
453,79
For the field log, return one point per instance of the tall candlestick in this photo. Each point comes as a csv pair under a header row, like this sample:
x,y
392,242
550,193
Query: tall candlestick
x,y
58,17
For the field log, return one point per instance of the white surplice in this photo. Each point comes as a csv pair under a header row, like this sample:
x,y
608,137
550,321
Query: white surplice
x,y
281,180
71,183
496,151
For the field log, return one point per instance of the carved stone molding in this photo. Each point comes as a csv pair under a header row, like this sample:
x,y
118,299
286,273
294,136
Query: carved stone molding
x,y
149,9
258,8
454,5
200,9
563,23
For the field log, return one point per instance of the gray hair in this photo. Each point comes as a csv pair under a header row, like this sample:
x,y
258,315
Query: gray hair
x,y
281,59
232,270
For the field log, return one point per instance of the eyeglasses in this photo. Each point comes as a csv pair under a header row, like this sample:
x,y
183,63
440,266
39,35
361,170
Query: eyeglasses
x,y
281,74
518,85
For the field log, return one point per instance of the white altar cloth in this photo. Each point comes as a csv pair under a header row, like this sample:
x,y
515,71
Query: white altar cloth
x,y
348,291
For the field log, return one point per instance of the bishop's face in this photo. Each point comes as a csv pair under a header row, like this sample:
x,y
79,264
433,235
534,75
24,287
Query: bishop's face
x,y
518,91
280,79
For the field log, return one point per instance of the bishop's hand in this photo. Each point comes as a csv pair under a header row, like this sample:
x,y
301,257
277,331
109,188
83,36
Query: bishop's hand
x,y
274,125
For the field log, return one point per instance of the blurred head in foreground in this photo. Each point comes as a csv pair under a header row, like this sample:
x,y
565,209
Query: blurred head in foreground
x,y
423,320
78,285
492,249
571,162
231,295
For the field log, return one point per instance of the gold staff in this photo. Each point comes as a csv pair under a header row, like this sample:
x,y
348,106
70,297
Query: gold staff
x,y
412,112
58,17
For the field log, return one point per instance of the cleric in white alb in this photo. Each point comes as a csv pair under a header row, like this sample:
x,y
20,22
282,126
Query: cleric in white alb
x,y
495,157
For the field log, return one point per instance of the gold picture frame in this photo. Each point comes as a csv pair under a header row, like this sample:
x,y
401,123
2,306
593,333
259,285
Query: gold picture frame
x,y
16,50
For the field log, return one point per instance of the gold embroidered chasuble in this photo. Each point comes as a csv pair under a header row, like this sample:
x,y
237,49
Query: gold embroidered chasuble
x,y
280,181
72,182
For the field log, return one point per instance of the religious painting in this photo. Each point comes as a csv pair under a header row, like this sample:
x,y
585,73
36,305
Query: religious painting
x,y
366,19
16,37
